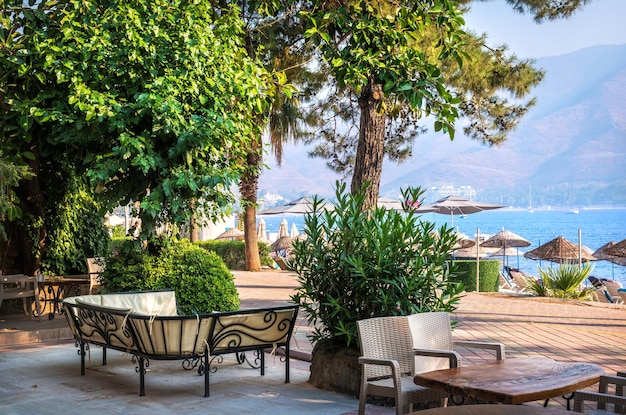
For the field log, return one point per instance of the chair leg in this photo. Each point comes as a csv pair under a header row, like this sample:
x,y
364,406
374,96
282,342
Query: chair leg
x,y
362,398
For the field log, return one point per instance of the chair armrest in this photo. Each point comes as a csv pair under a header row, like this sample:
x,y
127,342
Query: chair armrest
x,y
383,362
393,364
601,398
453,357
496,347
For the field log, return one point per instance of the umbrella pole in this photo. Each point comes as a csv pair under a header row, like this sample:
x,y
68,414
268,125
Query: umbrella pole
x,y
580,249
477,259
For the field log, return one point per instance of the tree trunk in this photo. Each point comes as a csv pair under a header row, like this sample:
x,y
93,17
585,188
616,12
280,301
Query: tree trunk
x,y
368,165
248,187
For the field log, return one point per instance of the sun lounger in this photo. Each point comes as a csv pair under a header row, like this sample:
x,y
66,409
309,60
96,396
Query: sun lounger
x,y
519,280
608,291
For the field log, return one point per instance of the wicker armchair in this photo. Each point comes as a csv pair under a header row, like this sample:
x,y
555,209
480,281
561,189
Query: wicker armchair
x,y
432,333
388,363
94,268
603,397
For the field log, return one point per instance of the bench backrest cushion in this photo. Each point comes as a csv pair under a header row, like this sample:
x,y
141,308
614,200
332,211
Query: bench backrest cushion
x,y
151,303
248,330
171,336
154,303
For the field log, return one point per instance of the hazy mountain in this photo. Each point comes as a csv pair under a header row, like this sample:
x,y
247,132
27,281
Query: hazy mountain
x,y
570,148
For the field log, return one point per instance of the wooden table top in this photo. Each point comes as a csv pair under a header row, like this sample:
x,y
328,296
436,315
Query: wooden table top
x,y
492,409
513,381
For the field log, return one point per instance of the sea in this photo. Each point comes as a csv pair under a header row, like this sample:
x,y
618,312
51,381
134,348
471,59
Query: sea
x,y
597,227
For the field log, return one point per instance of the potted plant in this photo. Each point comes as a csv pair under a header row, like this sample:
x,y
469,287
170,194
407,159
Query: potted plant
x,y
357,264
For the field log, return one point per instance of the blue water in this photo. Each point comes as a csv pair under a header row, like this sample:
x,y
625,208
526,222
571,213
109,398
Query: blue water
x,y
597,228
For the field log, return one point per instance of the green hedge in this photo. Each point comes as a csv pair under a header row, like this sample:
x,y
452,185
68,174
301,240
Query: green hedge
x,y
200,278
489,280
233,253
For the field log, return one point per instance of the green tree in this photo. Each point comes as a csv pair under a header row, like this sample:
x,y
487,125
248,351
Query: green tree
x,y
274,34
371,50
10,176
487,90
156,101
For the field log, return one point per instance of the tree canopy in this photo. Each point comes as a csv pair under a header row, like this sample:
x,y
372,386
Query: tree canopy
x,y
155,101
427,72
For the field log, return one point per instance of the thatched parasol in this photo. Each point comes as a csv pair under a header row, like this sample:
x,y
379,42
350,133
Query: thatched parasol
x,y
619,249
471,252
559,250
508,251
281,244
232,234
464,243
601,253
505,239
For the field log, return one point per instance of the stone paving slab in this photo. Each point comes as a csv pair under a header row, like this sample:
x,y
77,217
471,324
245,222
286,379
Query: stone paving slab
x,y
563,330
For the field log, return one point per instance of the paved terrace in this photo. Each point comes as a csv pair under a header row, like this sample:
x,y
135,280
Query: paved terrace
x,y
40,369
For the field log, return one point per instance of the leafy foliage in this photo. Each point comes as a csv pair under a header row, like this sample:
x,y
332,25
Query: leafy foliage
x,y
76,230
372,51
491,86
200,278
233,252
157,101
488,279
565,281
10,176
357,264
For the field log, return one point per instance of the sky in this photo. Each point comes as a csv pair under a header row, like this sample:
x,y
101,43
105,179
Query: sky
x,y
599,23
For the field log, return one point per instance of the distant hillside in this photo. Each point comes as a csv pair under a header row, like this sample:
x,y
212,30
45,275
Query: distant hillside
x,y
570,148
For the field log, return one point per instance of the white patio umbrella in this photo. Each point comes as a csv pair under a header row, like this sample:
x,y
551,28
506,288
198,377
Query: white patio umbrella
x,y
283,228
299,206
455,205
262,231
294,230
396,204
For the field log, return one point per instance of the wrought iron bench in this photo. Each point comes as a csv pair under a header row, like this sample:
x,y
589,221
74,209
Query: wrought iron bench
x,y
146,326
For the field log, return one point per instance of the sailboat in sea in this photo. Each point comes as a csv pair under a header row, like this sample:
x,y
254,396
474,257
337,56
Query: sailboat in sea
x,y
575,211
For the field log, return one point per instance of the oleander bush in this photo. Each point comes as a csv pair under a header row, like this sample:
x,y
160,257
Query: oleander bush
x,y
200,278
356,265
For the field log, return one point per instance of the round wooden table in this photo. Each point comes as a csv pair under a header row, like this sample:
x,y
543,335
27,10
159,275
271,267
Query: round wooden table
x,y
492,409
